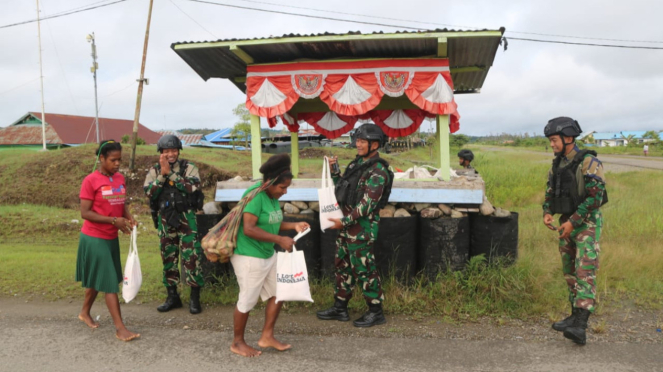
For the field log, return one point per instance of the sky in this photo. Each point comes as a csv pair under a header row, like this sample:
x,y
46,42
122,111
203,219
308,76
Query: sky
x,y
605,89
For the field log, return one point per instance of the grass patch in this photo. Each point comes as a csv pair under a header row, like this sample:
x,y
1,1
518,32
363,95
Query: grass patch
x,y
38,244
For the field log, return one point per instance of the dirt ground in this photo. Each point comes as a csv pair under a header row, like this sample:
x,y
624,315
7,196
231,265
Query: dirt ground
x,y
40,335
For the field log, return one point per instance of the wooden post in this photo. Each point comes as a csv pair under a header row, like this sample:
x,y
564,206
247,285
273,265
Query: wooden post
x,y
443,143
294,152
256,146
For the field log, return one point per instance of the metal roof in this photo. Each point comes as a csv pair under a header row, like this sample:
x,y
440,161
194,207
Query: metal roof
x,y
71,129
618,135
470,53
187,139
27,134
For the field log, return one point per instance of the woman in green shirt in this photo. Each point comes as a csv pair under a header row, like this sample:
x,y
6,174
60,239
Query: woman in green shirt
x,y
254,260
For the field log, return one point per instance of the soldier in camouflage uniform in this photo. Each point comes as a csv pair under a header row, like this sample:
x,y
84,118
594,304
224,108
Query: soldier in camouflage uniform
x,y
366,180
465,158
171,183
576,190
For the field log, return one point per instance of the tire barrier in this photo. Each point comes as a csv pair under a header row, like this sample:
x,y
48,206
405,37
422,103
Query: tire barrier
x,y
495,237
444,243
309,244
396,247
328,253
211,270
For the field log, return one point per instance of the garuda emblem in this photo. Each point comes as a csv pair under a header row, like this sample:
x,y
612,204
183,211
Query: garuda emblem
x,y
308,84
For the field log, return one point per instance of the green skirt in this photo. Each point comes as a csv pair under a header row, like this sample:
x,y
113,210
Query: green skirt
x,y
98,264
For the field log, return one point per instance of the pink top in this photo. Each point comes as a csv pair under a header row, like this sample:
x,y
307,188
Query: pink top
x,y
107,200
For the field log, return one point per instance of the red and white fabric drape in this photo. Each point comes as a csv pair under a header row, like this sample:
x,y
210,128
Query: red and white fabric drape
x,y
352,90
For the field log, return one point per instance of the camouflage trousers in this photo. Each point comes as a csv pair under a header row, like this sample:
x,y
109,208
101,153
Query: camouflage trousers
x,y
580,261
171,239
355,262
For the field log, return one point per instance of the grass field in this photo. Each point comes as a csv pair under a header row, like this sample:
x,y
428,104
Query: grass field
x,y
38,243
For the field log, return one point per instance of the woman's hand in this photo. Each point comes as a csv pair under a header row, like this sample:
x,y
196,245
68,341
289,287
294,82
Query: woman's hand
x,y
124,225
286,243
301,226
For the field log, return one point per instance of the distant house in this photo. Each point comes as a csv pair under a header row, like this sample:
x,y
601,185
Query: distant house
x,y
69,130
187,139
611,139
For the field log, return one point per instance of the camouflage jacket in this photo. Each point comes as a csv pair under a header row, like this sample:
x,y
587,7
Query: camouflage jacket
x,y
594,187
361,221
155,182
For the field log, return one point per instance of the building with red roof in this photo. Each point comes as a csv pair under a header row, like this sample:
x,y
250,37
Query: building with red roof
x,y
69,130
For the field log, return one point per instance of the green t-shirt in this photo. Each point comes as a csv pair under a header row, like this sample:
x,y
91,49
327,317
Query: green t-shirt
x,y
269,216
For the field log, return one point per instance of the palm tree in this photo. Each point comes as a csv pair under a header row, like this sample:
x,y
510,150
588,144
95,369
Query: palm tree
x,y
656,137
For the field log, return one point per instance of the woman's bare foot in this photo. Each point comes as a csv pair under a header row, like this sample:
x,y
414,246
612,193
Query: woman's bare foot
x,y
266,342
125,335
241,348
87,319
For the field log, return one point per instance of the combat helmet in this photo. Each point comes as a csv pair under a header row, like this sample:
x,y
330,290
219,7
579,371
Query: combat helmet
x,y
169,141
563,126
466,154
371,132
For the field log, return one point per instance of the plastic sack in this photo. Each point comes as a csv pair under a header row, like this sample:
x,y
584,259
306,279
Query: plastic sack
x,y
292,282
133,277
329,207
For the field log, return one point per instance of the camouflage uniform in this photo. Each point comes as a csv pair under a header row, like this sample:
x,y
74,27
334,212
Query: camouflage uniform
x,y
580,253
354,259
184,236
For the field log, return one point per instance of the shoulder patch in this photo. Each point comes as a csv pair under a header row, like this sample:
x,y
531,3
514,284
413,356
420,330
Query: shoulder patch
x,y
592,167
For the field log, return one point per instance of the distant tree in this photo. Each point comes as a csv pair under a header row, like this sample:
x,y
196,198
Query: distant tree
x,y
242,127
652,135
459,140
127,139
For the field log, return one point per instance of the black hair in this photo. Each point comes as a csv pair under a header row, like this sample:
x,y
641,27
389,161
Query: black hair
x,y
277,166
107,146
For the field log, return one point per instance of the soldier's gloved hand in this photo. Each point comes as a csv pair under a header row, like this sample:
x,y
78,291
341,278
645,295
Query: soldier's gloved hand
x,y
286,243
565,230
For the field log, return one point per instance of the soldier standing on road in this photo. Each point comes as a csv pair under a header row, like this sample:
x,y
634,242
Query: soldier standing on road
x,y
361,192
576,191
465,157
173,187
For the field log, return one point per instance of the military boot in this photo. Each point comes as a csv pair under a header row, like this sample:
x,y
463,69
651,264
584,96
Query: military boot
x,y
337,312
566,323
194,301
374,316
172,301
576,332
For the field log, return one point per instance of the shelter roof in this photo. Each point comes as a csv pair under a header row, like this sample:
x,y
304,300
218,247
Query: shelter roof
x,y
471,53
71,129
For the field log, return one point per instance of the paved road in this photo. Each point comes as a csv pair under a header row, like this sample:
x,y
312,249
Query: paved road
x,y
50,338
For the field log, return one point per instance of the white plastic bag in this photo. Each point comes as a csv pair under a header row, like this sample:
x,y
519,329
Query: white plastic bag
x,y
292,277
329,207
133,277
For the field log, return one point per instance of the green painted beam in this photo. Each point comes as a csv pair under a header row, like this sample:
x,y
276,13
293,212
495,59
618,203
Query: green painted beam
x,y
442,47
457,70
240,79
256,148
443,143
339,38
294,153
239,52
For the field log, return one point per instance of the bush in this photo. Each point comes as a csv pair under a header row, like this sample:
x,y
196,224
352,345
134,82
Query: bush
x,y
127,139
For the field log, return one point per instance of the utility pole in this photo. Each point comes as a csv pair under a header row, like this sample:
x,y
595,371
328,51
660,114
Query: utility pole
x,y
134,137
41,78
93,69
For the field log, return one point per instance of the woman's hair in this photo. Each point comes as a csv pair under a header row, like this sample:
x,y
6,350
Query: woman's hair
x,y
107,146
277,166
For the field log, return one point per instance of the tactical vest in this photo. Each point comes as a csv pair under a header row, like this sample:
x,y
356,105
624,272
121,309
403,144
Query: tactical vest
x,y
171,202
568,186
346,190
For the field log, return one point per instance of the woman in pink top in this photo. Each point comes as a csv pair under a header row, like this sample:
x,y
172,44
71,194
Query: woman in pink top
x,y
98,264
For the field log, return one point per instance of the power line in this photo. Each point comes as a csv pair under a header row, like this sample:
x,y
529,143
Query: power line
x,y
586,44
412,28
303,15
446,25
18,86
69,12
191,18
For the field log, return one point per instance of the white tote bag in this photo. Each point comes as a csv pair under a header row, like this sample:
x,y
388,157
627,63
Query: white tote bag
x,y
133,277
329,207
292,277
